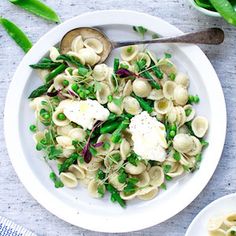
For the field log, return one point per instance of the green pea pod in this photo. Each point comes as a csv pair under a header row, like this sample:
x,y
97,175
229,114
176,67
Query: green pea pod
x,y
144,104
109,127
205,4
226,10
16,34
38,8
116,136
55,72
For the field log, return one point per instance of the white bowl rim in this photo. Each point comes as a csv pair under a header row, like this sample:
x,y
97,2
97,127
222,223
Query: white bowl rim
x,y
205,209
11,127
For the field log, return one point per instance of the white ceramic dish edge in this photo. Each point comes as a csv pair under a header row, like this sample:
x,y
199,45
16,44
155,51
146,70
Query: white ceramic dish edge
x,y
10,128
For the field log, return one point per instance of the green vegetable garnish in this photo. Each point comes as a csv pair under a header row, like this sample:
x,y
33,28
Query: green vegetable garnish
x,y
188,111
45,63
143,104
40,91
55,72
168,55
140,29
172,76
115,196
116,64
133,159
116,136
61,116
16,34
33,128
177,156
68,162
101,190
38,8
100,174
57,182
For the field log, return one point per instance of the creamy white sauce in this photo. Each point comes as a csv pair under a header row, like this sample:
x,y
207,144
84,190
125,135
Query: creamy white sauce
x,y
86,112
148,135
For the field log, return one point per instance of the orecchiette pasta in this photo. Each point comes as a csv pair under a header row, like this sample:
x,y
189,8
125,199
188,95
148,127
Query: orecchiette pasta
x,y
123,129
68,179
95,44
141,87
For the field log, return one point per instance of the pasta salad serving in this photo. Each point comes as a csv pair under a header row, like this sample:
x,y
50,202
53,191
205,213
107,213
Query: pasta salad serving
x,y
126,130
224,225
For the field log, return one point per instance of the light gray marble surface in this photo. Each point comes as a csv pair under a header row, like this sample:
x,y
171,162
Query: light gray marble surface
x,y
15,201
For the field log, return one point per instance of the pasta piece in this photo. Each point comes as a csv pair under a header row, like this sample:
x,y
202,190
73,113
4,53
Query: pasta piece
x,y
168,89
103,93
156,94
93,165
199,126
135,170
68,179
128,136
181,116
128,53
36,104
180,95
217,232
131,105
197,147
54,54
100,72
183,143
64,130
38,136
113,179
152,56
182,79
167,66
147,193
141,87
128,89
89,55
124,148
156,175
113,160
179,171
143,179
93,187
78,134
77,171
106,139
66,152
77,44
58,121
77,56
145,57
163,106
59,79
115,108
215,223
65,142
94,44
189,111
230,220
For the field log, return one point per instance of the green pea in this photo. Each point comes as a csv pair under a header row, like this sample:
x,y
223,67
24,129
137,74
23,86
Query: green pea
x,y
46,116
191,99
33,128
196,99
74,87
39,147
188,112
61,116
110,98
82,94
172,76
65,82
172,133
173,127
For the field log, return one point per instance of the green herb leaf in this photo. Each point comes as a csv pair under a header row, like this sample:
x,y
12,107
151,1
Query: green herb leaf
x,y
176,156
16,34
101,190
140,29
38,8
115,196
68,162
133,159
53,152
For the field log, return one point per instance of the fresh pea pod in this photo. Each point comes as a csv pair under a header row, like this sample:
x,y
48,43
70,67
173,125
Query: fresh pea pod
x,y
40,91
109,127
45,63
205,4
16,34
55,72
116,136
38,8
158,73
226,10
143,104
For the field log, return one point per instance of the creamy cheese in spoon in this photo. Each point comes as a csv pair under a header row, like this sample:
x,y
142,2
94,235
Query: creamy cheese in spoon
x,y
86,112
148,135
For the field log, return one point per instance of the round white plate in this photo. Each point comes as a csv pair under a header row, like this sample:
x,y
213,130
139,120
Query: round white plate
x,y
76,206
219,207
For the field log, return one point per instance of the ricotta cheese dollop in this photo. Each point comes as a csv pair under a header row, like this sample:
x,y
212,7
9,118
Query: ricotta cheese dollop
x,y
86,112
148,135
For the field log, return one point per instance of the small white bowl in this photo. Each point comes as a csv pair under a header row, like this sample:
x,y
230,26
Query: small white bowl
x,y
203,10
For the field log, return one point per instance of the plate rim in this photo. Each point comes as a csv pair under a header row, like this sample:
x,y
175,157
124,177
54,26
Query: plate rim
x,y
8,130
225,197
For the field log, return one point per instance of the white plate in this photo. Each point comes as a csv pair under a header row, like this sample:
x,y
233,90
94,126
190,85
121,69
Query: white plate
x,y
76,206
219,207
